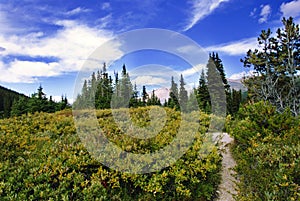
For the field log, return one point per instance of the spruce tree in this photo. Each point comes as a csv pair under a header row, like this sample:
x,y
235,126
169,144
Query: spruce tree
x,y
215,87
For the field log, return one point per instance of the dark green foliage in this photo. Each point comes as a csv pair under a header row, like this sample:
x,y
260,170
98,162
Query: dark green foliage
x,y
153,100
7,98
202,94
216,89
38,102
173,101
144,96
267,153
183,95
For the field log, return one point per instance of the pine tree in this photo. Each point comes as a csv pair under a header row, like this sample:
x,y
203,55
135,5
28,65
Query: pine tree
x,y
276,65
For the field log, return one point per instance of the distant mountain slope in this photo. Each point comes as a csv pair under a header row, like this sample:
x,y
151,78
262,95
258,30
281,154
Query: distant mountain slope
x,y
7,98
237,85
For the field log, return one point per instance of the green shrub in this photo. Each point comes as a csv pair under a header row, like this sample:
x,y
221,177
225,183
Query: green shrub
x,y
267,152
42,158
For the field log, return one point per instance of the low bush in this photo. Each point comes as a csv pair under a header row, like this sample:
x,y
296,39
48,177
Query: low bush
x,y
267,149
42,158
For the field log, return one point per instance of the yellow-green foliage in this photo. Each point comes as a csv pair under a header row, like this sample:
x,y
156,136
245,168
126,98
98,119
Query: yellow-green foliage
x,y
267,151
42,158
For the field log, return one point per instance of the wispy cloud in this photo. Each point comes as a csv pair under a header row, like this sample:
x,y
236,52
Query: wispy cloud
x,y
201,9
105,6
77,11
195,70
291,8
253,12
265,13
236,47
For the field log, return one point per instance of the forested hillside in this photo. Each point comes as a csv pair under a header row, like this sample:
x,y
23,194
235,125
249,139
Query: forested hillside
x,y
7,98
15,104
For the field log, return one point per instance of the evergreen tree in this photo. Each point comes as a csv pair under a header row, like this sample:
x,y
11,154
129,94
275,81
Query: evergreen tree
x,y
183,95
123,90
19,107
219,65
202,94
216,89
134,99
51,105
153,100
192,104
144,96
173,101
276,67
104,89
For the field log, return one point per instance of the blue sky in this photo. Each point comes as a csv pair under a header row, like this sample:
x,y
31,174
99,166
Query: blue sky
x,y
46,42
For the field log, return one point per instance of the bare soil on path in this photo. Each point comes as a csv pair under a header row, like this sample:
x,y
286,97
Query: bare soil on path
x,y
227,188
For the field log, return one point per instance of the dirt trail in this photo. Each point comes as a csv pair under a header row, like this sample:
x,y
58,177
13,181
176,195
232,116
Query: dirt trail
x,y
227,188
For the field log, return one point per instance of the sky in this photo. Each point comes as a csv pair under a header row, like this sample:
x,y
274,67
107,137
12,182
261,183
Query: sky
x,y
48,43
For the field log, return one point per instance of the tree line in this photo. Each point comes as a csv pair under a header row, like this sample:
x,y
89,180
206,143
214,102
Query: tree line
x,y
105,91
38,102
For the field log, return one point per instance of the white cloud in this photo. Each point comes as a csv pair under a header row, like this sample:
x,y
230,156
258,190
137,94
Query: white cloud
x,y
201,9
7,76
71,46
58,99
34,69
239,76
77,11
265,13
236,47
149,80
291,8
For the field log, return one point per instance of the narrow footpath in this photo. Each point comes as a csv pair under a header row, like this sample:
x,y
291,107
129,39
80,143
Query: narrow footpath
x,y
227,188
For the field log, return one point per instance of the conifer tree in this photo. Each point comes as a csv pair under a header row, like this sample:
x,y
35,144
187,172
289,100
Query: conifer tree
x,y
276,68
144,96
202,94
183,95
215,87
173,101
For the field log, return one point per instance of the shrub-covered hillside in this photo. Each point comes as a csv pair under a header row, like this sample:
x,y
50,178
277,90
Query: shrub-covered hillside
x,y
42,158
